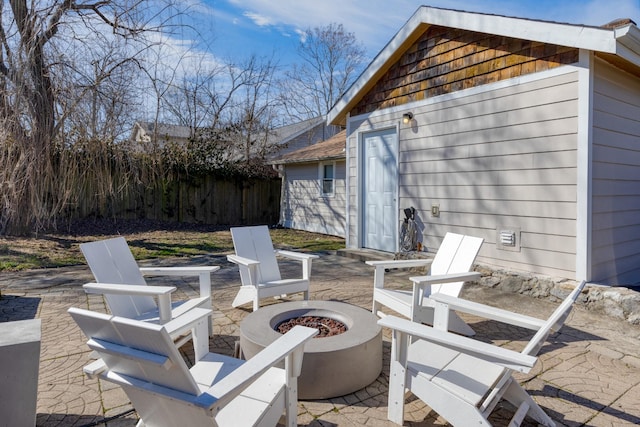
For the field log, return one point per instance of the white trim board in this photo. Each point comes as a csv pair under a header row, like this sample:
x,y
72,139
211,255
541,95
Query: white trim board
x,y
584,178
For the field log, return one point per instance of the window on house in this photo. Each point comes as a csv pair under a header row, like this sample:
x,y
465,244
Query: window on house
x,y
327,178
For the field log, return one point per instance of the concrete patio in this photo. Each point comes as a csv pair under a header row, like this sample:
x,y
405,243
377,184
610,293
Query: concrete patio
x,y
588,375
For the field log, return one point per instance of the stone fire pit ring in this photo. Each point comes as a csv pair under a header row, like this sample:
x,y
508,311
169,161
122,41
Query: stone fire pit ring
x,y
332,366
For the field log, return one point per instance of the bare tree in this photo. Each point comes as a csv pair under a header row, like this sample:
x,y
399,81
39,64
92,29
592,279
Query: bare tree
x,y
254,114
104,100
230,109
46,90
330,58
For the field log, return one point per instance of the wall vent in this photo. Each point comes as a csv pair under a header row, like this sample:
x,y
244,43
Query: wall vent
x,y
508,238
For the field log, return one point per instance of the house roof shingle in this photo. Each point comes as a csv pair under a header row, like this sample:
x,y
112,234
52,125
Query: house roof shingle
x,y
621,39
329,149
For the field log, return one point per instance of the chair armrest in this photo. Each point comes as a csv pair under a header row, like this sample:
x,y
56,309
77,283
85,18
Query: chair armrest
x,y
295,255
247,262
121,289
178,271
94,368
445,278
163,293
400,263
485,311
248,269
187,321
195,322
382,265
204,274
219,394
306,260
504,357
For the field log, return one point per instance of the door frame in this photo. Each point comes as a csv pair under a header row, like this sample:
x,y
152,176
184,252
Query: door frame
x,y
361,181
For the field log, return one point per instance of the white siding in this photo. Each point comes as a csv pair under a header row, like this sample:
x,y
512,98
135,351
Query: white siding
x,y
305,208
502,158
616,176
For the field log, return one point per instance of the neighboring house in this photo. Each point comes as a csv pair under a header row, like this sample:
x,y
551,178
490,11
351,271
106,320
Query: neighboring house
x,y
143,133
286,138
523,132
313,187
301,134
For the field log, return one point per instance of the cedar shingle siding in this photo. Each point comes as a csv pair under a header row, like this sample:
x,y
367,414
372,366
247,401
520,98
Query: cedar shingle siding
x,y
445,60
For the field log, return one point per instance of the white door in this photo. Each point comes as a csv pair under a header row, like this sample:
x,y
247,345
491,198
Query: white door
x,y
379,214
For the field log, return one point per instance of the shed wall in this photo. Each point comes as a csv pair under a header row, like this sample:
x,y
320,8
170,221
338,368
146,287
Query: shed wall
x,y
616,176
501,157
304,208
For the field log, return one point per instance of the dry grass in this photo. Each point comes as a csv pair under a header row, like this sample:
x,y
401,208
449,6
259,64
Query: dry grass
x,y
146,241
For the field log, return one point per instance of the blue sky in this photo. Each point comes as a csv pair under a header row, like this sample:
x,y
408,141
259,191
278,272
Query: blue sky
x,y
238,28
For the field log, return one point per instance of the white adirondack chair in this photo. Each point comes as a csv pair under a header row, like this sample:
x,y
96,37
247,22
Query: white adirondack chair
x,y
122,282
217,391
447,274
460,378
259,272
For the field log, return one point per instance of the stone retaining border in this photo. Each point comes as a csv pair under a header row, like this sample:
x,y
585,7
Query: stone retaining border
x,y
619,302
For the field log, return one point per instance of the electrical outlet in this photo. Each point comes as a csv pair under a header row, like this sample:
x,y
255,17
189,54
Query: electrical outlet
x,y
435,210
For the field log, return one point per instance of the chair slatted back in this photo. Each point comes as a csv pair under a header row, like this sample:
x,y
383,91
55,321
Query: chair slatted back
x,y
136,349
111,261
456,254
255,243
554,323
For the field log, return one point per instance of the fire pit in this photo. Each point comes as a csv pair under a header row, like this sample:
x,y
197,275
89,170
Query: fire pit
x,y
334,365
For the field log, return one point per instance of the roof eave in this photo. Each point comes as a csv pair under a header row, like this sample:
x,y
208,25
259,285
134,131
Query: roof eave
x,y
628,48
307,160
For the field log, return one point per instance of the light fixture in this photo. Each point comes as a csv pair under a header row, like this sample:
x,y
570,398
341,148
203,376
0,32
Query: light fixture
x,y
407,117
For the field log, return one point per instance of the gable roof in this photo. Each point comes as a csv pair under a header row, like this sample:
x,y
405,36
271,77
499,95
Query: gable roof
x,y
329,149
620,40
284,134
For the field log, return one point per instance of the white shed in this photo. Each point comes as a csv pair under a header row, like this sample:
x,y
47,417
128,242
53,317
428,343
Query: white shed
x,y
523,132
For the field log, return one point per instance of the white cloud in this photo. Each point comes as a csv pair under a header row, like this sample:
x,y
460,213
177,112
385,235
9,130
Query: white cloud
x,y
302,35
258,19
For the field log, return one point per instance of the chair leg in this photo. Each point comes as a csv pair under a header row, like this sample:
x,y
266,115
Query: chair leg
x,y
397,377
375,308
245,294
200,338
518,396
454,322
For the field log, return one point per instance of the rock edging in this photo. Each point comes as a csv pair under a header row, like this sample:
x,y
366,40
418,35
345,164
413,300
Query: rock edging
x,y
618,302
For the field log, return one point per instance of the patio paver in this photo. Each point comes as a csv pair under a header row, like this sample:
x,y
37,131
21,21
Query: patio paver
x,y
587,375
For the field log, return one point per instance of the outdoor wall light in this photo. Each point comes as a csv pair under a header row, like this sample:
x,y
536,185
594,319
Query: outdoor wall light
x,y
407,117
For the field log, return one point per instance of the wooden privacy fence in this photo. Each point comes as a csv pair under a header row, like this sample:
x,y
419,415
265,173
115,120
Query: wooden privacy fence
x,y
205,200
